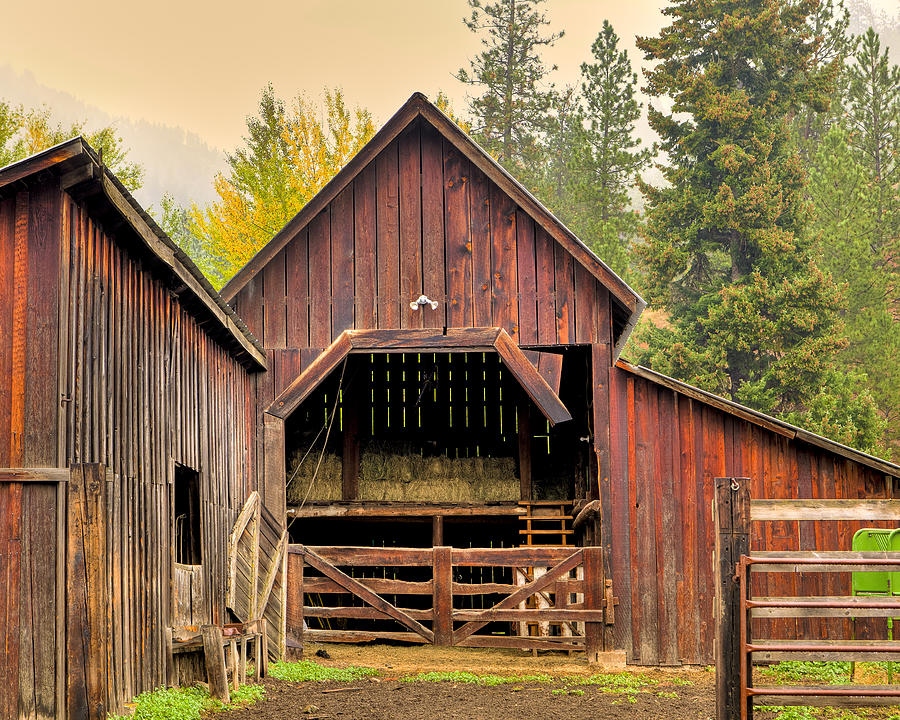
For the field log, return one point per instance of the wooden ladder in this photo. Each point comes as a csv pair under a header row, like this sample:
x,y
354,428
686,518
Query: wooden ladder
x,y
546,522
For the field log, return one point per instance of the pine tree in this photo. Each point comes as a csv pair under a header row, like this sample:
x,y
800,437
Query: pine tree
x,y
753,314
615,156
829,23
873,117
845,225
509,116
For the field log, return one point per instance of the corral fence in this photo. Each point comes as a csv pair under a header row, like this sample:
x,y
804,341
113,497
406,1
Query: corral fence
x,y
741,640
471,597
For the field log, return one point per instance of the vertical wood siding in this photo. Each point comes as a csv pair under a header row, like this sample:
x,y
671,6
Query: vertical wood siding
x,y
667,449
421,219
144,387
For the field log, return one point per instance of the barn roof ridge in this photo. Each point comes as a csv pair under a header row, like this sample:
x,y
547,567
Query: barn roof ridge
x,y
417,106
78,165
756,417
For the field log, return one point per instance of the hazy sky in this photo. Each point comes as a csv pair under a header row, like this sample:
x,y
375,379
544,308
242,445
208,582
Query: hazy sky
x,y
201,65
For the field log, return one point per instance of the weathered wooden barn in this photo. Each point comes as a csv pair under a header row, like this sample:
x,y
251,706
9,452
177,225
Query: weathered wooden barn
x,y
430,360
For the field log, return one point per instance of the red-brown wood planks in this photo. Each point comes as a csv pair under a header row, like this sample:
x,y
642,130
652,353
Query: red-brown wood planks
x,y
458,249
342,254
410,180
320,279
434,279
387,237
503,263
480,223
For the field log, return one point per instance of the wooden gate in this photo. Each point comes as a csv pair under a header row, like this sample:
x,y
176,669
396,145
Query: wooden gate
x,y
256,565
344,586
741,639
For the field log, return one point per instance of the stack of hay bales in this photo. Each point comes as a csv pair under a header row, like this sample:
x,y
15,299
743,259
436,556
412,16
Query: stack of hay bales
x,y
400,473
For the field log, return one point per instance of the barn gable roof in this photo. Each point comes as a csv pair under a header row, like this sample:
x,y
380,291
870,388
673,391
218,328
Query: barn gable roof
x,y
629,303
81,172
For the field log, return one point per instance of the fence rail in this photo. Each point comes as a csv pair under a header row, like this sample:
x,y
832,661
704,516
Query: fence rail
x,y
565,599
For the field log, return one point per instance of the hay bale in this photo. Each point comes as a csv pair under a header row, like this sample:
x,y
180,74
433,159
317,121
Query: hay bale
x,y
325,485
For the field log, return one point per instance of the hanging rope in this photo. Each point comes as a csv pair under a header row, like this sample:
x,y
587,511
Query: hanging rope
x,y
329,424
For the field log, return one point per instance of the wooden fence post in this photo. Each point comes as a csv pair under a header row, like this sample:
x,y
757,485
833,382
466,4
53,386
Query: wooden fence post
x,y
294,610
442,599
87,634
731,514
594,589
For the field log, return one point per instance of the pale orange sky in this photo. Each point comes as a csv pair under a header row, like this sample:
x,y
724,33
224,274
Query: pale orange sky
x,y
201,65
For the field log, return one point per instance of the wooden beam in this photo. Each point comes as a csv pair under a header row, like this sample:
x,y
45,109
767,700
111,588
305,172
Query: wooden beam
x,y
363,509
309,379
861,510
523,416
39,475
214,658
475,339
535,386
42,161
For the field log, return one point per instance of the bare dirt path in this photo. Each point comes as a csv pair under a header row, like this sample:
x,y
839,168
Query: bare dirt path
x,y
661,694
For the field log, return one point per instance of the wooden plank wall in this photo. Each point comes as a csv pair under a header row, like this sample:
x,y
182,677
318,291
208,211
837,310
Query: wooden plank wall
x,y
29,324
667,449
30,680
422,219
144,387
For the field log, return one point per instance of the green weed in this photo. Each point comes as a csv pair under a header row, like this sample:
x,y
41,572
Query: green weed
x,y
307,670
830,673
474,679
187,703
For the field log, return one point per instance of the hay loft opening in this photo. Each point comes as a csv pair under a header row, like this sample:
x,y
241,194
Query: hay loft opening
x,y
417,449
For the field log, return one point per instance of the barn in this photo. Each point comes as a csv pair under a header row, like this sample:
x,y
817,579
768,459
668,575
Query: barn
x,y
416,389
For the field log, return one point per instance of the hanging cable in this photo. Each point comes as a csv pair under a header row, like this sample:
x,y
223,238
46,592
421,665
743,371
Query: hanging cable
x,y
334,412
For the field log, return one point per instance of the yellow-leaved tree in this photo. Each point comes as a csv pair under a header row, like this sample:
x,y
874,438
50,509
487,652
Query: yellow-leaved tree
x,y
290,152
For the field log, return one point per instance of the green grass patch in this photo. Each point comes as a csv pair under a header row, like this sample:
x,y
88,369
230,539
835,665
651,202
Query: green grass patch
x,y
308,671
825,673
475,679
188,703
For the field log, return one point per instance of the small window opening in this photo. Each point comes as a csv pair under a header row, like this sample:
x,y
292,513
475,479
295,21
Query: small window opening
x,y
187,516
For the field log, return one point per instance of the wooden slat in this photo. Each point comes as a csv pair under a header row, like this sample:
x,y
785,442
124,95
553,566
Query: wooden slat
x,y
342,259
458,247
854,607
347,556
425,340
857,695
434,279
410,179
364,246
387,237
320,280
480,233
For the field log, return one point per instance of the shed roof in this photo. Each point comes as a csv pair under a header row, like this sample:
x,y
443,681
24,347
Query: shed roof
x,y
628,301
81,172
757,418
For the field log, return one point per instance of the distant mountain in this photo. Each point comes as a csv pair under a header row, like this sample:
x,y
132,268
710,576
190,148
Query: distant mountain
x,y
175,161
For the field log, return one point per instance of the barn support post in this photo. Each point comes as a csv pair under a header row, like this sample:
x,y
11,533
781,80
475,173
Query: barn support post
x,y
731,515
594,589
443,596
293,640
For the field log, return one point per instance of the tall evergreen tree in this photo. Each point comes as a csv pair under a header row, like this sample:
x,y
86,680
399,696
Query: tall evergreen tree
x,y
753,315
873,117
614,153
845,224
509,112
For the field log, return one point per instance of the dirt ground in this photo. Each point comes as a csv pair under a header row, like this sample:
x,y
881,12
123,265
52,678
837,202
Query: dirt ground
x,y
385,697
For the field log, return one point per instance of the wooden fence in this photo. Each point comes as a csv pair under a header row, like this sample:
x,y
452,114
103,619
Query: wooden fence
x,y
342,597
740,640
